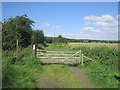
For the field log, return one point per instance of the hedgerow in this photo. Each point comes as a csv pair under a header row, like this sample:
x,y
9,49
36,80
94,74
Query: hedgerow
x,y
20,71
103,72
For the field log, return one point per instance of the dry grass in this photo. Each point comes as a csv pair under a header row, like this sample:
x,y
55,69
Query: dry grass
x,y
111,45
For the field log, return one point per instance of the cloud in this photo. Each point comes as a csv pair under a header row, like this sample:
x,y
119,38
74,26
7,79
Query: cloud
x,y
51,25
46,24
50,35
90,29
104,20
101,27
76,36
118,17
104,27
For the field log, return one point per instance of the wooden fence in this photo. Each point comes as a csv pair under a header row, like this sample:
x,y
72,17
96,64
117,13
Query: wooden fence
x,y
61,56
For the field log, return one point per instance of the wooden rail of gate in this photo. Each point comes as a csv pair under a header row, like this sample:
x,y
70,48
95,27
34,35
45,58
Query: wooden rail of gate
x,y
62,56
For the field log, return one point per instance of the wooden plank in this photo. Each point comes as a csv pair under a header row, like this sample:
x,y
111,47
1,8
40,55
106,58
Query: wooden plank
x,y
17,46
63,55
88,58
55,54
82,59
57,50
56,57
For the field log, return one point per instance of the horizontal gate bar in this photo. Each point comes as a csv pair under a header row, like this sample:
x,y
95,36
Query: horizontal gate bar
x,y
55,57
57,50
57,54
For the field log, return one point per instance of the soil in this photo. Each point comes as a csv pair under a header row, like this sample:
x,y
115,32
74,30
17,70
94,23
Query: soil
x,y
51,82
80,74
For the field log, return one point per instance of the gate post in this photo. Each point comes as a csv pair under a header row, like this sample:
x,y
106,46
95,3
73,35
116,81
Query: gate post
x,y
17,46
82,60
34,51
80,56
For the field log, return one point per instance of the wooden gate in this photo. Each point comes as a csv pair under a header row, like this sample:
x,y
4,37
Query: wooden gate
x,y
60,56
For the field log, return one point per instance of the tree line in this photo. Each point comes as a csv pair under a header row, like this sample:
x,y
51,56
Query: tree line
x,y
21,28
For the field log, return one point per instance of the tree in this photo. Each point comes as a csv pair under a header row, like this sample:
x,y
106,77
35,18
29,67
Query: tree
x,y
19,28
38,37
49,39
60,39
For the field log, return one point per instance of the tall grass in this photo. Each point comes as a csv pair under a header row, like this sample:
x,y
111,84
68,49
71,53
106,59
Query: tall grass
x,y
103,72
20,71
58,47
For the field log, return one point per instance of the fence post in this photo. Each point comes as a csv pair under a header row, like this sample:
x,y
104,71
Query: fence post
x,y
34,51
17,47
82,60
80,56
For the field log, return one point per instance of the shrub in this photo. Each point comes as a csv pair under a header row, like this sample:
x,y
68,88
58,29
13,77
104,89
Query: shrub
x,y
23,73
103,71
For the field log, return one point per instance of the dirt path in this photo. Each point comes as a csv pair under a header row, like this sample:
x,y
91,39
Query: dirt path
x,y
51,83
61,76
80,74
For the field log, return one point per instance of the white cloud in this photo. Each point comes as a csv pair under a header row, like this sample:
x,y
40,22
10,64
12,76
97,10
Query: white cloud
x,y
46,24
104,26
103,18
50,35
77,36
118,17
51,25
90,29
96,27
103,21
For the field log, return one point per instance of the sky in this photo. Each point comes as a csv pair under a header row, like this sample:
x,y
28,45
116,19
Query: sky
x,y
76,20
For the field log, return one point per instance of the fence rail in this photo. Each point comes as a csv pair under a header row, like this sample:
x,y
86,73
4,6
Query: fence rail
x,y
73,56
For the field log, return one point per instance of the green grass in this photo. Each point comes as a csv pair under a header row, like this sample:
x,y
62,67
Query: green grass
x,y
62,75
0,68
20,72
104,71
24,71
92,45
58,47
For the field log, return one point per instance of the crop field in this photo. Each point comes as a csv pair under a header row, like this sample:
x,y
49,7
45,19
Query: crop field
x,y
111,45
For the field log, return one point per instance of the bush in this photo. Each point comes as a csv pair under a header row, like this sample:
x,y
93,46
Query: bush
x,y
58,46
103,71
40,46
23,73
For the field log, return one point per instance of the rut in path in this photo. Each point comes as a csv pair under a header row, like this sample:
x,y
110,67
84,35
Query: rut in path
x,y
51,83
76,75
79,73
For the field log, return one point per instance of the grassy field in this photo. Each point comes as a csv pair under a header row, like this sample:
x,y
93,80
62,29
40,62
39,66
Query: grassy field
x,y
25,71
58,76
92,45
103,72
20,71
